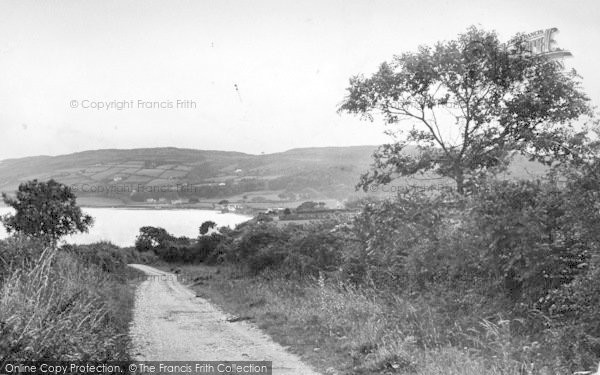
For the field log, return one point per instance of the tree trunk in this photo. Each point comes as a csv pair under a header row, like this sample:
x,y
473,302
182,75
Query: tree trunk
x,y
460,183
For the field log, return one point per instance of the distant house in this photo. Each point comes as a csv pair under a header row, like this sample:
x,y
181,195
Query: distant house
x,y
238,171
230,207
177,201
150,200
222,184
162,200
117,178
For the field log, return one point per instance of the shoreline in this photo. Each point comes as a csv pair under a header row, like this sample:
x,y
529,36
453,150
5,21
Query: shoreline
x,y
165,208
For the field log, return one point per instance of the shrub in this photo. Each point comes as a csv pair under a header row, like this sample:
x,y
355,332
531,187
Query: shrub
x,y
206,245
268,257
574,328
387,233
311,250
175,250
255,237
105,255
150,238
534,237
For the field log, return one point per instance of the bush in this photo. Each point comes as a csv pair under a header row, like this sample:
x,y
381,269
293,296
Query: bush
x,y
175,250
534,237
268,257
105,255
389,235
256,237
150,238
206,245
109,257
311,250
574,328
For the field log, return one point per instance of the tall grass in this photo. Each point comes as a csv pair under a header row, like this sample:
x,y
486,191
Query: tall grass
x,y
58,307
342,329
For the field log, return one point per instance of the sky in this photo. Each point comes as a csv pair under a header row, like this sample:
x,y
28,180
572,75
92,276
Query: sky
x,y
250,76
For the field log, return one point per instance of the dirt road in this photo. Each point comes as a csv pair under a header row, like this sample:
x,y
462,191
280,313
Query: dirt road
x,y
171,324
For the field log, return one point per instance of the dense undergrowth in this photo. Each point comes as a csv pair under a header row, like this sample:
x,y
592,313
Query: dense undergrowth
x,y
69,303
507,273
342,329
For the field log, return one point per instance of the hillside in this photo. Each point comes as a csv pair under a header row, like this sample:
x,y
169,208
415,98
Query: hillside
x,y
172,174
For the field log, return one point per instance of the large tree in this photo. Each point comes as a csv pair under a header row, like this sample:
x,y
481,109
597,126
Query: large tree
x,y
45,210
469,103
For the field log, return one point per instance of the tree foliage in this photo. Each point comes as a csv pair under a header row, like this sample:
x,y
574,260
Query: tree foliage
x,y
471,101
150,238
45,210
206,226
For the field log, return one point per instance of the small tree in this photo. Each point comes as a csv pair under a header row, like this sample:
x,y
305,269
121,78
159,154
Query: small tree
x,y
45,210
151,238
471,101
206,226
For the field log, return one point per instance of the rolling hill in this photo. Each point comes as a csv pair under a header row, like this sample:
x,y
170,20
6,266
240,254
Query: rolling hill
x,y
173,174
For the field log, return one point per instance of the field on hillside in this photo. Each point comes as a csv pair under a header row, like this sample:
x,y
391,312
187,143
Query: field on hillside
x,y
170,175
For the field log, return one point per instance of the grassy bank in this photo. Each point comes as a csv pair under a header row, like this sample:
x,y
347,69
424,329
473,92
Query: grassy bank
x,y
73,303
343,330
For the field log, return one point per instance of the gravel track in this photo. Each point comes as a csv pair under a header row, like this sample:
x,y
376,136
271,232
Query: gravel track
x,y
171,324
